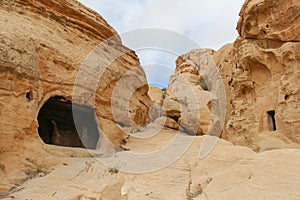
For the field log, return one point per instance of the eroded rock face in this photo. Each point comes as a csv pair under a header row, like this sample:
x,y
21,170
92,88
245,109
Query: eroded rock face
x,y
263,89
261,77
188,98
167,122
261,73
45,47
157,97
270,20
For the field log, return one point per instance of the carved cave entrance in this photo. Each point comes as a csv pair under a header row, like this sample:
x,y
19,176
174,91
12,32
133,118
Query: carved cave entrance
x,y
271,120
57,125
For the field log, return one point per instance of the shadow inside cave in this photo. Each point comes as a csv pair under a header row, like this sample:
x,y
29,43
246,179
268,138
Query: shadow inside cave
x,y
57,121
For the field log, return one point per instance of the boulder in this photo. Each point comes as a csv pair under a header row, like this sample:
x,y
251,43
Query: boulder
x,y
167,122
156,95
188,97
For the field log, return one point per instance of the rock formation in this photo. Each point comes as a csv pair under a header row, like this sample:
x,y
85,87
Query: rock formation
x,y
229,172
260,70
55,51
167,122
157,111
188,96
157,97
260,74
64,71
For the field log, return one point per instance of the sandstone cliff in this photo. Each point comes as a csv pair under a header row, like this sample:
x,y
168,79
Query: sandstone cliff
x,y
48,49
260,74
54,53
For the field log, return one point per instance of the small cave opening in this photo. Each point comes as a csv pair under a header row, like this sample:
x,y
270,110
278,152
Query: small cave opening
x,y
287,97
29,96
175,118
271,120
65,124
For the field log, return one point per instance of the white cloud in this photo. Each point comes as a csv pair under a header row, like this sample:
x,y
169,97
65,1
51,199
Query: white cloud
x,y
210,23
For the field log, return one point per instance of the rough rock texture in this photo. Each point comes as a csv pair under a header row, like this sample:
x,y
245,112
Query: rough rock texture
x,y
167,122
261,73
188,97
157,96
43,44
157,112
228,172
270,20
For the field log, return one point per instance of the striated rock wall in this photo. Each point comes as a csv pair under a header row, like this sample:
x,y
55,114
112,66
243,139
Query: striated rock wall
x,y
43,45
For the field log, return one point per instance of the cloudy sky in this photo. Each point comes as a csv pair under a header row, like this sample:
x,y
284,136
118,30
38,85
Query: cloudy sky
x,y
208,23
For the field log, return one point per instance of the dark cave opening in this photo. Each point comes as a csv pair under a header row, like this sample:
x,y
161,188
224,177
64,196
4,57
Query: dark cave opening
x,y
271,120
175,118
29,96
57,124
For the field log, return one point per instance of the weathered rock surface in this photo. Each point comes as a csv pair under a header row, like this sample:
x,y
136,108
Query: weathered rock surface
x,y
223,174
188,97
277,21
261,74
157,97
44,47
262,93
167,122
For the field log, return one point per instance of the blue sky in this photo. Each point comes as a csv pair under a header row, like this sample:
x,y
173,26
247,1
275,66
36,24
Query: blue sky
x,y
209,23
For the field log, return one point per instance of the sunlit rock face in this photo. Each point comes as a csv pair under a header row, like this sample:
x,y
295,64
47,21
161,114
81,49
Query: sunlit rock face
x,y
225,172
188,97
44,46
261,74
270,20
